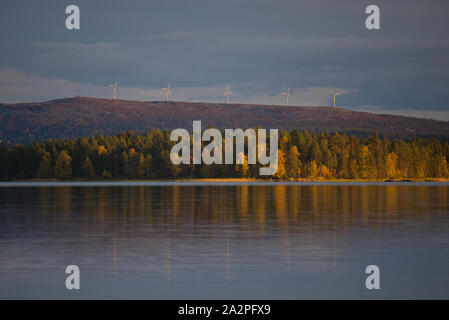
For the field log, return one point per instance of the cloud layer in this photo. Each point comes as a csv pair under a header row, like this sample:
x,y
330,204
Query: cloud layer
x,y
259,47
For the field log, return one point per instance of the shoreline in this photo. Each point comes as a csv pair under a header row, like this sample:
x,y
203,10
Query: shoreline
x,y
230,180
217,182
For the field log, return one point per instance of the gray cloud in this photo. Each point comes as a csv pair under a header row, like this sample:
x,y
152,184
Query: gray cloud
x,y
260,47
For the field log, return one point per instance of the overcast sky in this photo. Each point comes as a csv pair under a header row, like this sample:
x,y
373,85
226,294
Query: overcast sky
x,y
259,47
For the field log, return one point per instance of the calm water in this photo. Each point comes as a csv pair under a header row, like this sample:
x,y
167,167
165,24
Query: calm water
x,y
231,241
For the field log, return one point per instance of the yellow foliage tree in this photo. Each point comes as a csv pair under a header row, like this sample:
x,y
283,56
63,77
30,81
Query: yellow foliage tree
x,y
391,165
281,173
313,169
292,165
324,171
63,167
102,150
442,168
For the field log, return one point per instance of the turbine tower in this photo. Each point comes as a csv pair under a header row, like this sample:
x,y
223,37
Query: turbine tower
x,y
167,92
287,95
336,93
114,90
227,93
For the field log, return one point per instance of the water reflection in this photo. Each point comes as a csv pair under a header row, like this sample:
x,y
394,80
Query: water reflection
x,y
215,238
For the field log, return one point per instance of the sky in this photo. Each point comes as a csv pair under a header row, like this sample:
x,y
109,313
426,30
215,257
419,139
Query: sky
x,y
259,47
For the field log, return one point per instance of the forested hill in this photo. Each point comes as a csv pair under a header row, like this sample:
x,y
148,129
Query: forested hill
x,y
83,116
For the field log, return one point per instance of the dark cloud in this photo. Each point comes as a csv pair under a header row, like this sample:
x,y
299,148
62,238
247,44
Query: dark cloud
x,y
261,47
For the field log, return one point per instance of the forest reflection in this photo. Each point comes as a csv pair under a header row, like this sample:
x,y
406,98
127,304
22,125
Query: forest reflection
x,y
228,212
176,235
129,210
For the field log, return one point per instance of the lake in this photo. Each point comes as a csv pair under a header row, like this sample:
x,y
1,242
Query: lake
x,y
200,240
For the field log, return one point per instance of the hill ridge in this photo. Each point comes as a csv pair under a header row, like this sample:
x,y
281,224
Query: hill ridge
x,y
86,116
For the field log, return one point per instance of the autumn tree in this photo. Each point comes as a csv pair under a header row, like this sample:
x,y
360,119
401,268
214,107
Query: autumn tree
x,y
293,163
312,169
63,167
281,172
301,154
45,170
88,169
391,163
324,171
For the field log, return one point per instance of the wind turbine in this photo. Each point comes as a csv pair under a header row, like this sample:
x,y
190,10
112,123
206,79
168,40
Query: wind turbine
x,y
287,95
227,93
335,93
114,90
167,92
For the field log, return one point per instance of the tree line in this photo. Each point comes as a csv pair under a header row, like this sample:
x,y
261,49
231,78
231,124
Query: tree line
x,y
302,155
